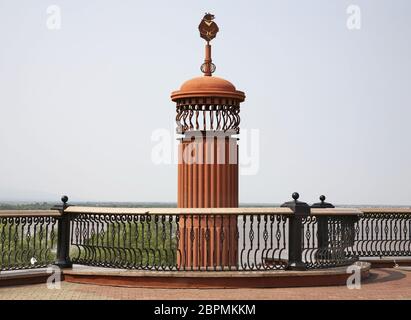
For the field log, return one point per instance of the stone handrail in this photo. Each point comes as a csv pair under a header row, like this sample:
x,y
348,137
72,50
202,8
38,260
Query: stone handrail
x,y
29,213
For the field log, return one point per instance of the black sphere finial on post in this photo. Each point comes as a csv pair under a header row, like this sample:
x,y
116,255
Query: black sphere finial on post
x,y
64,199
322,204
298,207
295,196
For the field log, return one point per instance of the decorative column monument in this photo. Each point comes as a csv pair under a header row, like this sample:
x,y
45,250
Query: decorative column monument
x,y
208,119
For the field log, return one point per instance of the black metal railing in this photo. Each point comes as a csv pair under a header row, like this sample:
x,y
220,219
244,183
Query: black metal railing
x,y
263,242
383,233
124,241
186,242
27,240
248,239
327,241
294,237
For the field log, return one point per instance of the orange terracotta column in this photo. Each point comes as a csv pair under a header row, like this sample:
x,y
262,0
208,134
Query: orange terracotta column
x,y
205,181
208,172
208,119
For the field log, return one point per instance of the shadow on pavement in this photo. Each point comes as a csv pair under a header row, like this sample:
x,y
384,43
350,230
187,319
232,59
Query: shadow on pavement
x,y
390,275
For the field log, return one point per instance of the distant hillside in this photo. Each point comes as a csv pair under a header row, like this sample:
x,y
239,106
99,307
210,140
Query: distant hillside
x,y
26,206
48,205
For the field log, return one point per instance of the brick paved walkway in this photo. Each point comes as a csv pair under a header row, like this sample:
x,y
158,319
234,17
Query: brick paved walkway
x,y
383,284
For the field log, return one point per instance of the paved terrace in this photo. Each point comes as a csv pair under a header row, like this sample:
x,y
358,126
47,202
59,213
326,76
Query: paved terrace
x,y
382,284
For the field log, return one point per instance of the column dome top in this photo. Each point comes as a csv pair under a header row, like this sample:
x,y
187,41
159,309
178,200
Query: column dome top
x,y
208,86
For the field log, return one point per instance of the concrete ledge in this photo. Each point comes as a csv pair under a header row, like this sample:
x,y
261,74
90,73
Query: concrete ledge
x,y
388,262
22,277
211,279
187,279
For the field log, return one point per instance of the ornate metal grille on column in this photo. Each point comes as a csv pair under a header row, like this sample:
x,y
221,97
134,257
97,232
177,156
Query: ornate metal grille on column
x,y
207,117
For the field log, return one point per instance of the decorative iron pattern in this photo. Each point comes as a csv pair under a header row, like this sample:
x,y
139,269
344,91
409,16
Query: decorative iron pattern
x,y
263,242
126,241
383,234
326,241
27,242
180,242
205,117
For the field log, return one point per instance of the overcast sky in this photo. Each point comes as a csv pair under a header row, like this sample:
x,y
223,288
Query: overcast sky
x,y
79,105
